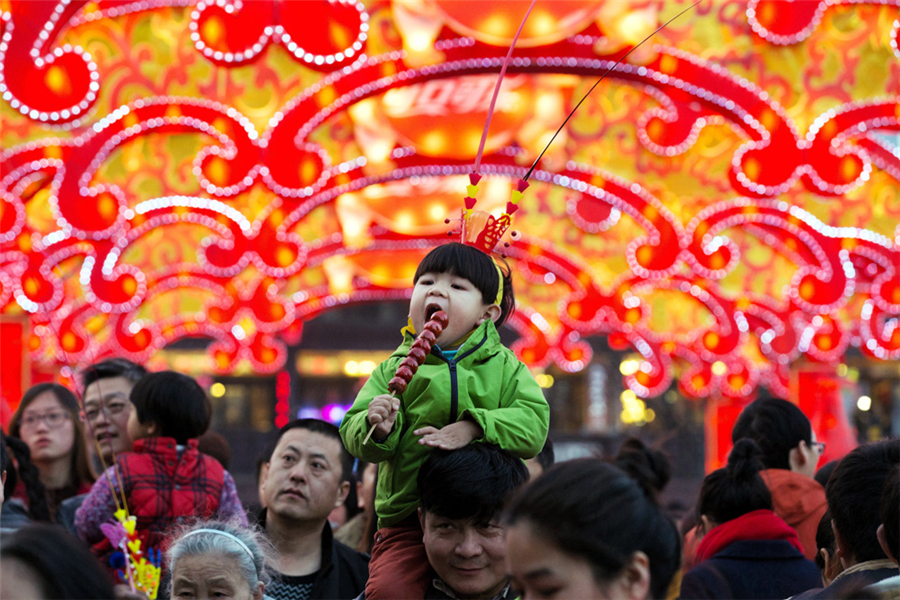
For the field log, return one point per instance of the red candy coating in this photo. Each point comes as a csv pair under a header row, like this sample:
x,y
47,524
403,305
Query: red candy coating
x,y
410,363
441,318
418,354
397,385
405,373
428,335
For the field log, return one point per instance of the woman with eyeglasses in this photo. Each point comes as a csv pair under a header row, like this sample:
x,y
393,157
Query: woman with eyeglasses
x,y
48,421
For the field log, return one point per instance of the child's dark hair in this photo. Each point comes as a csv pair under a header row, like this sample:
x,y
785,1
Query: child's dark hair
x,y
476,266
471,483
175,402
737,489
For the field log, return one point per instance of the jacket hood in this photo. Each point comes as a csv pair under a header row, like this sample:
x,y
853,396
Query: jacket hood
x,y
484,340
794,496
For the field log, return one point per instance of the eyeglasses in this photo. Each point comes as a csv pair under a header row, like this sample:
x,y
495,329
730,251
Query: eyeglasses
x,y
52,419
111,409
820,446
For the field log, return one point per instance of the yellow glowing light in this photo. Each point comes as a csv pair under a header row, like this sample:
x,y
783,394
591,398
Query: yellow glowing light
x,y
650,415
864,403
719,368
842,370
544,380
628,396
351,368
217,390
629,367
366,367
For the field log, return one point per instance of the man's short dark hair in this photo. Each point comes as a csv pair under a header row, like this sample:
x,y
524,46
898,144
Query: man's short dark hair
x,y
112,367
326,429
854,496
547,456
472,483
777,426
175,402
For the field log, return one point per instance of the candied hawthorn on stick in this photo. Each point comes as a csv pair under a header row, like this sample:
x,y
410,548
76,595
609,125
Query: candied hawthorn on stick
x,y
416,356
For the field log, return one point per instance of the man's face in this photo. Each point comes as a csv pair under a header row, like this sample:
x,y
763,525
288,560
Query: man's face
x,y
304,481
106,409
469,558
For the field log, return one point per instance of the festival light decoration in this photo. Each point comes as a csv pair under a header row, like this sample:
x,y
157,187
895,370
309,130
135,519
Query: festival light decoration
x,y
273,214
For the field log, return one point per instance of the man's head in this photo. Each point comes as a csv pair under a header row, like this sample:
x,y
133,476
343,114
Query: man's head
x,y
783,433
854,498
107,386
308,474
462,494
889,530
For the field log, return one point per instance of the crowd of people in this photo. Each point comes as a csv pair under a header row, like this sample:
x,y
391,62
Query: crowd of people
x,y
491,525
440,485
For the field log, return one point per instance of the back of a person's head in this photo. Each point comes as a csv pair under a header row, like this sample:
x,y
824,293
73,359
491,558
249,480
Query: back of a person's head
x,y
112,367
480,269
738,488
594,511
824,472
854,497
648,466
777,426
212,443
174,402
471,483
547,456
323,428
824,539
890,513
63,564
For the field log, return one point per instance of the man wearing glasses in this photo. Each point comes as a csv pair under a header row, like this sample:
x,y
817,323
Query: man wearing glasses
x,y
107,387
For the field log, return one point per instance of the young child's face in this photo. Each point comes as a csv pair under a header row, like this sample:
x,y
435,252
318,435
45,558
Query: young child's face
x,y
454,295
136,429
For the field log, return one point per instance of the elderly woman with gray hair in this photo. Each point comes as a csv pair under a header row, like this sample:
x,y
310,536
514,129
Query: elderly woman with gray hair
x,y
218,560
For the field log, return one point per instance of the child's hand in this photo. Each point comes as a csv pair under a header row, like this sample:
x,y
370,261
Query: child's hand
x,y
382,412
451,437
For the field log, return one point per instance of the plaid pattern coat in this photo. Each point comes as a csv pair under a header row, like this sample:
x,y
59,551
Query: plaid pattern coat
x,y
163,490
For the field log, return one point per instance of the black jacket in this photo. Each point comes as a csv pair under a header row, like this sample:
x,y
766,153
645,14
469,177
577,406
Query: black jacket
x,y
755,569
344,571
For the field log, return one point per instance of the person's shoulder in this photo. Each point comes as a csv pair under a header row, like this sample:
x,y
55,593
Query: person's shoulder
x,y
351,556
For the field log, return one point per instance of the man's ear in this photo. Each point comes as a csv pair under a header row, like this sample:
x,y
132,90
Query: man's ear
x,y
797,456
841,552
259,591
704,526
421,517
343,492
882,540
492,312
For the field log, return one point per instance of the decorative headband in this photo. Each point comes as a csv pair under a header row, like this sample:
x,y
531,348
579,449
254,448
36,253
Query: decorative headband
x,y
226,534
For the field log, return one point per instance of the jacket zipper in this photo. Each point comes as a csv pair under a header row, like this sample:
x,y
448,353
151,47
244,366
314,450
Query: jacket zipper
x,y
454,384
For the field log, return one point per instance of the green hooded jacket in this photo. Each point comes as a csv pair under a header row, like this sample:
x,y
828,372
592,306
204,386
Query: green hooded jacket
x,y
486,383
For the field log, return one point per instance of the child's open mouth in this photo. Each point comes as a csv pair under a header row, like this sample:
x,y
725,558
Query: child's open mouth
x,y
430,310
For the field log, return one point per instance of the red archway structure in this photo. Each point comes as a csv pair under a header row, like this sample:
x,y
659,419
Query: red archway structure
x,y
726,203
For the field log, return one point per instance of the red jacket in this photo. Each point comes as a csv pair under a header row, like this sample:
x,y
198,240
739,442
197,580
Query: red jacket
x,y
163,490
800,501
